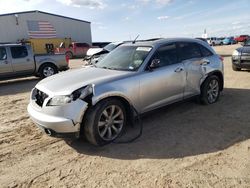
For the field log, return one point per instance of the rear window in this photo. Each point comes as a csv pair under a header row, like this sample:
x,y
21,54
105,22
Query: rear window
x,y
18,52
189,51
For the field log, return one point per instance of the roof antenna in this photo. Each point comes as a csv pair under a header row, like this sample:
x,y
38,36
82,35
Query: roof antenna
x,y
135,39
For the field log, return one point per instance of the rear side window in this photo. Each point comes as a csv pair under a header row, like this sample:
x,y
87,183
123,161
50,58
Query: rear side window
x,y
82,45
189,51
204,51
167,55
18,52
3,54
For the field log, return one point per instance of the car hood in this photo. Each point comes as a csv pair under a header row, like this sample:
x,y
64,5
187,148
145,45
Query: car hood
x,y
66,82
93,51
244,49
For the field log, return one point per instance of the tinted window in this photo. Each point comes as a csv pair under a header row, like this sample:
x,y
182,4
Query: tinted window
x,y
82,45
167,55
19,51
3,54
204,51
189,51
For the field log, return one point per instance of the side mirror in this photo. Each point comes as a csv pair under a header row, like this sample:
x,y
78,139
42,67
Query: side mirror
x,y
154,63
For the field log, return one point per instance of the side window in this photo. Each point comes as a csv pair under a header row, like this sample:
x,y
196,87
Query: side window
x,y
189,51
82,45
204,51
19,52
3,54
167,55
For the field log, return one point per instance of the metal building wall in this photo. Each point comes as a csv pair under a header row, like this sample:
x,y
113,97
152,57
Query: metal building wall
x,y
13,29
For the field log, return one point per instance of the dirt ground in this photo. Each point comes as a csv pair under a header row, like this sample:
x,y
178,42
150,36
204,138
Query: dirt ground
x,y
184,145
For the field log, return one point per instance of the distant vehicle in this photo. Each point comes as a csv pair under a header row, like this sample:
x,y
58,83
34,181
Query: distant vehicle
x,y
99,101
229,40
18,60
241,57
75,49
213,41
95,54
100,44
221,38
242,38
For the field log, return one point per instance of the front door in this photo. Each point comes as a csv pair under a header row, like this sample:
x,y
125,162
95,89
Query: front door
x,y
164,84
5,63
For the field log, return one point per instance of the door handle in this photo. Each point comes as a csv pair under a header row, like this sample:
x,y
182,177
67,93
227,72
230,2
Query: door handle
x,y
205,62
6,62
28,59
179,69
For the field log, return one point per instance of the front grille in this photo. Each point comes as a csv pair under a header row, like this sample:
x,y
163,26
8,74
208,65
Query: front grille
x,y
40,97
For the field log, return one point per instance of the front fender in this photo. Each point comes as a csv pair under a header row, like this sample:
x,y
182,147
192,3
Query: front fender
x,y
96,99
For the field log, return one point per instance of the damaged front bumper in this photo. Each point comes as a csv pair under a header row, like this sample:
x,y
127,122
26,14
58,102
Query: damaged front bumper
x,y
58,120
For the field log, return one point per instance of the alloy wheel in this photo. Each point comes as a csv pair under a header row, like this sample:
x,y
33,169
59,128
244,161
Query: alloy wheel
x,y
48,71
111,122
213,91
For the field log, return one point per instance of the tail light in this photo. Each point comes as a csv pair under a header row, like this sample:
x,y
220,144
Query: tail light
x,y
221,58
67,58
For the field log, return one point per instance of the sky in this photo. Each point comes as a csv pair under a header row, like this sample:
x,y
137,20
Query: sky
x,y
118,20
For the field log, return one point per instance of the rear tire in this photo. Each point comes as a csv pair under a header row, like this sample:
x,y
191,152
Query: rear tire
x,y
235,68
47,70
69,55
105,122
210,90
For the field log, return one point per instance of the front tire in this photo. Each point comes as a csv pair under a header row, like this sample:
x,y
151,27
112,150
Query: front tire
x,y
210,90
105,122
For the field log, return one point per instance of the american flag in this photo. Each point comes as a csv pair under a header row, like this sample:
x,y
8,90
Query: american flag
x,y
40,29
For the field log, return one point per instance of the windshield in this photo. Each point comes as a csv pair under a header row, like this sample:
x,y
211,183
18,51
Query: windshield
x,y
110,47
128,58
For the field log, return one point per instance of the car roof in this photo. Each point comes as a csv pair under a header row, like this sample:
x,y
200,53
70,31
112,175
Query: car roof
x,y
160,42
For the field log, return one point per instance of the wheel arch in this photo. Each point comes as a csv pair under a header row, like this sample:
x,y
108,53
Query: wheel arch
x,y
128,105
44,64
219,75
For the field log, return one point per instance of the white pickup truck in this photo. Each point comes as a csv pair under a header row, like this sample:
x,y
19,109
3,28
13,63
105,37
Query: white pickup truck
x,y
18,60
213,41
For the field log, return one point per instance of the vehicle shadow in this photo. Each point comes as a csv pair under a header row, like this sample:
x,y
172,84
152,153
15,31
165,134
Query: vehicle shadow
x,y
184,129
15,86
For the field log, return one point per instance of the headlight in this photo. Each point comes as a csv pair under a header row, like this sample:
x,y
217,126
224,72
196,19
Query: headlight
x,y
60,100
236,53
82,92
65,99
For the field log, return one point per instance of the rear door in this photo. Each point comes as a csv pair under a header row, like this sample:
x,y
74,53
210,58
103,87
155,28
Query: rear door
x,y
5,62
165,84
195,58
21,61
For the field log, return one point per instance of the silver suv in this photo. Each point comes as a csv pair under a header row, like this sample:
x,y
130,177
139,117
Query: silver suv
x,y
99,100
